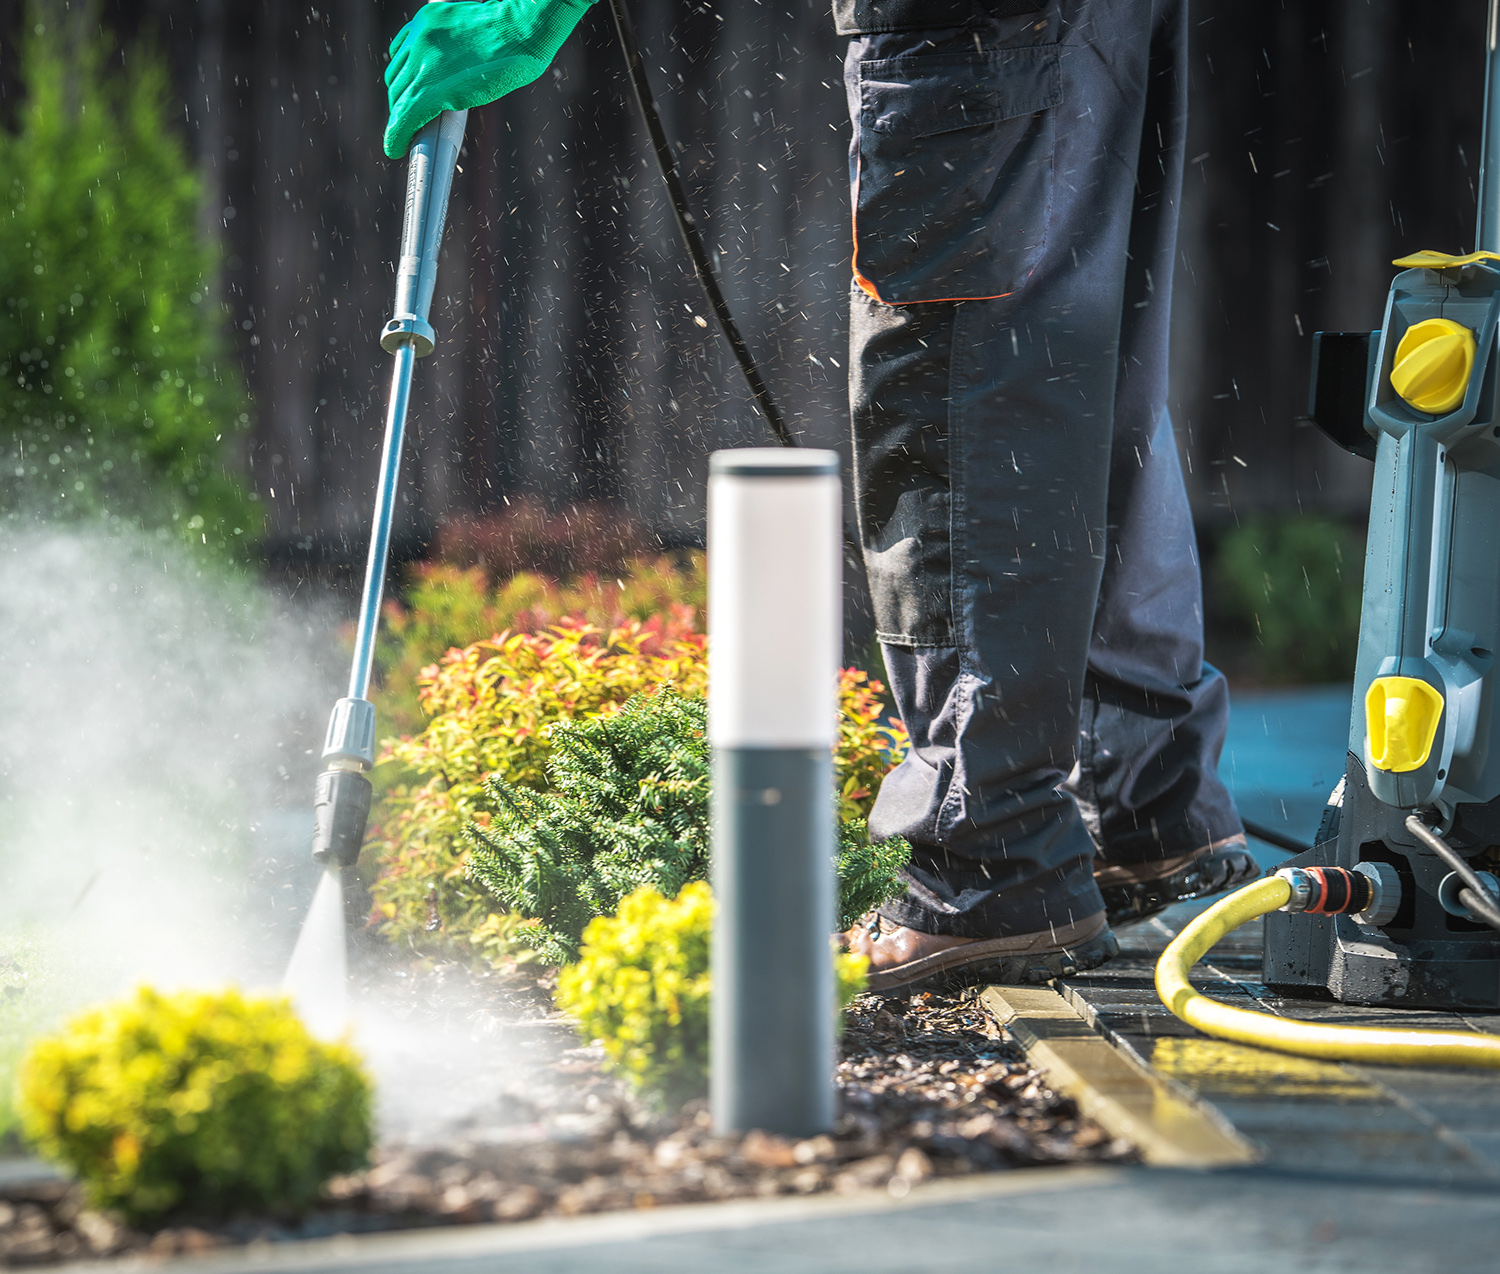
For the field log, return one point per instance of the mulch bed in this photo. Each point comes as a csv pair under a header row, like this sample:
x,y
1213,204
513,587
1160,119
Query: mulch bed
x,y
930,1088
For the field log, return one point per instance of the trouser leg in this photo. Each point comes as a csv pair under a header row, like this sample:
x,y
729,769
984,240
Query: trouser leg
x,y
1154,714
985,433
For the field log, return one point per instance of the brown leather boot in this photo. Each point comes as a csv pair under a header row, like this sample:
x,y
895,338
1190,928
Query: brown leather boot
x,y
1137,891
908,958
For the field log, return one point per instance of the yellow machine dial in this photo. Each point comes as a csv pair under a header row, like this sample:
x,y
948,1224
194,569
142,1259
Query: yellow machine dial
x,y
1433,364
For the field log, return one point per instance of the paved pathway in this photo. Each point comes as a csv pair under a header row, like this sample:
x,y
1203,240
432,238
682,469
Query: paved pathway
x,y
1284,754
1062,1221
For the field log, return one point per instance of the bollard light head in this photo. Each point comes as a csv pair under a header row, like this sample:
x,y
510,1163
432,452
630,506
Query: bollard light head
x,y
775,597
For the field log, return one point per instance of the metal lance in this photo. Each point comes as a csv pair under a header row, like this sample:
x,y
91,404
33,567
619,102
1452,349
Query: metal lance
x,y
342,802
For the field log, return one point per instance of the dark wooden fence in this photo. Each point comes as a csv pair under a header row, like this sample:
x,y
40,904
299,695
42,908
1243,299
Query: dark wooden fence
x,y
1327,136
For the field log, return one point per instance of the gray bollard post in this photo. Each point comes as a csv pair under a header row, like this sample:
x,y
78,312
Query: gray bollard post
x,y
775,630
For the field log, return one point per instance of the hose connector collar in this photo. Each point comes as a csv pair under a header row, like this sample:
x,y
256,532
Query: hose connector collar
x,y
1328,891
408,329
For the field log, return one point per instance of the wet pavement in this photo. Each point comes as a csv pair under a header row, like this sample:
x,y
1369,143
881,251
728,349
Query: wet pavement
x,y
1051,1221
1355,1121
1284,753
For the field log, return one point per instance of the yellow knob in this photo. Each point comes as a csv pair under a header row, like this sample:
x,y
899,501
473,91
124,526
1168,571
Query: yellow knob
x,y
1433,364
1401,720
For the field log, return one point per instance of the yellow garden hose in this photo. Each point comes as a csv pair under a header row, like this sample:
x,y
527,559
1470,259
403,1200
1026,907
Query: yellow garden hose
x,y
1306,1039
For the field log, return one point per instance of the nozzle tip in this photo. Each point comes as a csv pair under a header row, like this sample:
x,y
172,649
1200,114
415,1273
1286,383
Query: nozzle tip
x,y
341,808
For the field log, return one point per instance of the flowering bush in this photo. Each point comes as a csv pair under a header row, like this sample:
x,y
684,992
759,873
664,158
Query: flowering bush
x,y
493,707
869,744
449,605
641,986
196,1102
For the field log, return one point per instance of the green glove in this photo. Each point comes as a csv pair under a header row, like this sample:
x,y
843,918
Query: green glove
x,y
452,56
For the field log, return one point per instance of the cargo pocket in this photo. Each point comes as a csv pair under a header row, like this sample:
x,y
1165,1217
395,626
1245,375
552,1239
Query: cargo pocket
x,y
953,179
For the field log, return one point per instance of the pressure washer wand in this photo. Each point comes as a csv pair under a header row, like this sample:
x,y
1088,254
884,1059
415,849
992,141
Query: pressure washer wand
x,y
341,805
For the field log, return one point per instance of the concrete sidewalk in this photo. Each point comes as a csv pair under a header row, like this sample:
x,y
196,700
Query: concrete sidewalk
x,y
1051,1221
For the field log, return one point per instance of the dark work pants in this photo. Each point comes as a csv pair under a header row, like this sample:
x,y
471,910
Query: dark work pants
x,y
1028,539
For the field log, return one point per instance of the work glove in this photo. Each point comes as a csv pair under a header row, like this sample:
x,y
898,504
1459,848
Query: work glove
x,y
453,56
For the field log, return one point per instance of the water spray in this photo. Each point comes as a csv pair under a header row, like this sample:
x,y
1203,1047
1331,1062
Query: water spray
x,y
342,802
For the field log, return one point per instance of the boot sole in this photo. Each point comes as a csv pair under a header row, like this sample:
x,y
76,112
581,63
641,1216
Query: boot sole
x,y
1221,869
1031,968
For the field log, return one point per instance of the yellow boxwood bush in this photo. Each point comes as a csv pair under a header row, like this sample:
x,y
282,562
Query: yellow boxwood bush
x,y
641,987
196,1102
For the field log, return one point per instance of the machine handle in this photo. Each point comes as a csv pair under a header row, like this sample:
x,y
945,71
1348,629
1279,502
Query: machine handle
x,y
429,180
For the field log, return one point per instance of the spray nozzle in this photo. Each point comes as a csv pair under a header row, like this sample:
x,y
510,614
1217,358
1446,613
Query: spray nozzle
x,y
341,801
341,807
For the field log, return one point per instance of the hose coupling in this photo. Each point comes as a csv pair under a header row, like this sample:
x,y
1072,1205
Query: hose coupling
x,y
1369,890
1451,889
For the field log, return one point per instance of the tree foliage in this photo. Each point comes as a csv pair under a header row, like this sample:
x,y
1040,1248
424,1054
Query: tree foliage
x,y
116,393
1295,582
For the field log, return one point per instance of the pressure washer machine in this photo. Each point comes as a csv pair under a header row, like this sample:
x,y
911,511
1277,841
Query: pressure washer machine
x,y
1415,824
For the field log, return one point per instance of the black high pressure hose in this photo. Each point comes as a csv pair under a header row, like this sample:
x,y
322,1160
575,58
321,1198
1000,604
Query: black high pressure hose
x,y
688,226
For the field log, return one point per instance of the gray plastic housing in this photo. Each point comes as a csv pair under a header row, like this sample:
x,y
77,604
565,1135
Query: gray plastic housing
x,y
1452,885
1432,565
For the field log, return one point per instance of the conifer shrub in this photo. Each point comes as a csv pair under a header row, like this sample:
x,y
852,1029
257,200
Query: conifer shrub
x,y
641,987
197,1103
117,392
494,707
627,807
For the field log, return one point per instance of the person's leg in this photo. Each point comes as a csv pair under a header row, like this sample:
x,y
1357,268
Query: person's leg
x,y
993,163
1154,714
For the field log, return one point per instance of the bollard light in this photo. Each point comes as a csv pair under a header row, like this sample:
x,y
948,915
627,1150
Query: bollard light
x,y
775,632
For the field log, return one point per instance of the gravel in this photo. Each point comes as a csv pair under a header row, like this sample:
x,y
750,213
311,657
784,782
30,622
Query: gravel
x,y
930,1087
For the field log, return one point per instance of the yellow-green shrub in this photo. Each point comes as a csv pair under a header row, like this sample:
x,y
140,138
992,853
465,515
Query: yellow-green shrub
x,y
196,1102
641,987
